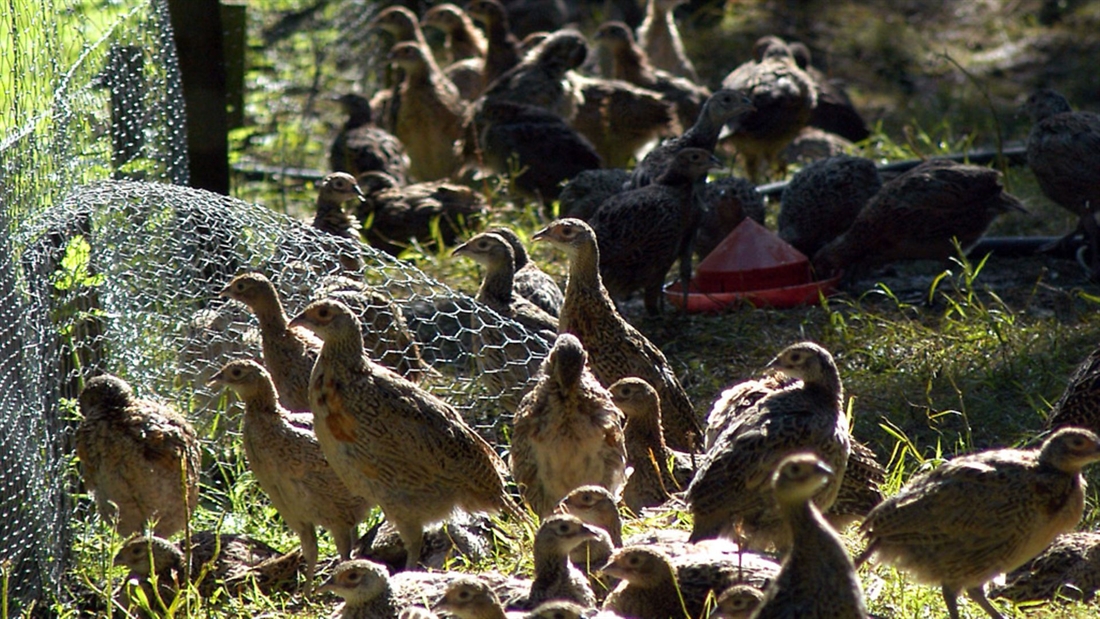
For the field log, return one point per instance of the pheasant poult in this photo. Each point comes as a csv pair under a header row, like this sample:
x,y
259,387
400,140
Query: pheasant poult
x,y
615,348
284,455
138,457
730,492
983,514
391,441
567,431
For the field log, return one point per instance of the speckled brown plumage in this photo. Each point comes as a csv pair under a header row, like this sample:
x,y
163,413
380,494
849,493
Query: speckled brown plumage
x,y
284,455
784,97
470,597
1069,569
860,490
725,203
288,352
653,584
615,348
225,561
730,491
429,114
394,215
503,359
834,112
502,47
595,505
336,189
390,440
462,536
660,38
530,281
812,144
464,40
736,401
369,592
737,602
983,514
823,199
139,458
620,118
817,578
464,46
585,192
630,63
918,214
642,232
361,146
721,107
658,470
534,147
386,335
1063,150
567,431
539,79
556,578
1079,404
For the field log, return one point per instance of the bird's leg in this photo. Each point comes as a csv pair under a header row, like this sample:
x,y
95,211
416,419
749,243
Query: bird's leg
x,y
978,595
951,598
307,533
344,537
412,535
1092,239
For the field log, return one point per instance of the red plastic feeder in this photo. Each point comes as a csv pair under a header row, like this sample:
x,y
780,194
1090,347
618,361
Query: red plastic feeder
x,y
752,264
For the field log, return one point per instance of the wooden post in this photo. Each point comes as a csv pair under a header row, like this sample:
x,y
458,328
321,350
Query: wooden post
x,y
234,23
197,30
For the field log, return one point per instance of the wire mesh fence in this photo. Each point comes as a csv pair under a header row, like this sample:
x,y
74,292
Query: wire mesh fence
x,y
109,265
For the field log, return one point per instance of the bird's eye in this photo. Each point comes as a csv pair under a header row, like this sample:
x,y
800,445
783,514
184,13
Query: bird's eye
x,y
353,576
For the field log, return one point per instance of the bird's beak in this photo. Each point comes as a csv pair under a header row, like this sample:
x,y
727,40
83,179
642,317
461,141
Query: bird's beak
x,y
715,163
216,379
328,585
825,469
301,320
591,532
359,193
541,235
461,249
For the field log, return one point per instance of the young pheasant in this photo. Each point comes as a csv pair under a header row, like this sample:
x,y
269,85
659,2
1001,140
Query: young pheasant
x,y
391,441
284,455
568,433
139,458
983,514
615,348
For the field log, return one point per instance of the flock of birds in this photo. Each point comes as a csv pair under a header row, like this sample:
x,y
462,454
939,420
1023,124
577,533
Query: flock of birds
x,y
337,420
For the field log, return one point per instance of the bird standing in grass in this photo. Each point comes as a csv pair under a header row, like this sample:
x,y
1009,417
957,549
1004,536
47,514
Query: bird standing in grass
x,y
983,514
926,213
284,455
730,492
391,441
556,578
139,458
1063,150
361,146
784,97
615,348
429,116
369,592
642,232
658,470
817,579
567,431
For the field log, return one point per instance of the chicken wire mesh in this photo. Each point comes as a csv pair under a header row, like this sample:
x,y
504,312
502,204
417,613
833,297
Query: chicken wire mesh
x,y
109,268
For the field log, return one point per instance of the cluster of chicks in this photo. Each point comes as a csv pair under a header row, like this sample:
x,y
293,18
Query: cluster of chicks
x,y
335,424
330,433
530,111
